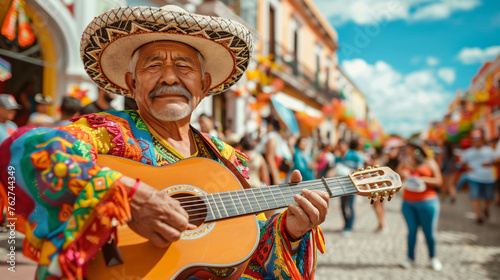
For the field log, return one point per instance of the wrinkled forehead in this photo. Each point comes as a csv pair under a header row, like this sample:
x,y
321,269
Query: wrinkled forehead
x,y
157,47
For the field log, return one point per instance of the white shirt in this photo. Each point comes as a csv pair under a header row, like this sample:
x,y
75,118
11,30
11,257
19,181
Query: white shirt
x,y
475,158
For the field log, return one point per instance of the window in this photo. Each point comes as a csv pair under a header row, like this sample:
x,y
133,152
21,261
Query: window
x,y
272,30
317,51
233,5
249,12
327,76
294,45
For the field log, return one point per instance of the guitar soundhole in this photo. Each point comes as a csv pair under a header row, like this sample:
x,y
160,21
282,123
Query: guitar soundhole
x,y
195,206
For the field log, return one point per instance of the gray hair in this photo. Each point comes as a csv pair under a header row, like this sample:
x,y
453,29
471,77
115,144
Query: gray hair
x,y
135,57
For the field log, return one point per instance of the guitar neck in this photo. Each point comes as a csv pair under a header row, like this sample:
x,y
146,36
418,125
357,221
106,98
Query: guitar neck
x,y
229,204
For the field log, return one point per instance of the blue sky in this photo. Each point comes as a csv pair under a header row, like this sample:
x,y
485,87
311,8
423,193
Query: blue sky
x,y
409,57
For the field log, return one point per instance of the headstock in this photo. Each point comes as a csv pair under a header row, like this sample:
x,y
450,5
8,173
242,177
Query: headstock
x,y
376,183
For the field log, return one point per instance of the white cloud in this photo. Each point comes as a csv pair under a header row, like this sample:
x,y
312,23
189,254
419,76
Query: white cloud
x,y
371,11
447,74
477,55
404,104
415,60
432,61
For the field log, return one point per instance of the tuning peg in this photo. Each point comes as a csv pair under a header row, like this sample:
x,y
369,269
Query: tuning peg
x,y
368,167
381,199
360,169
376,166
392,193
372,201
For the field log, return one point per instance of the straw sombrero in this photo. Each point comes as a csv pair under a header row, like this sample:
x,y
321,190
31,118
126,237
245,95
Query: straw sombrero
x,y
110,40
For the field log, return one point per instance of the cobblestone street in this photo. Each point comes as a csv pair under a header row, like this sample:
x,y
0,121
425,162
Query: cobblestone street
x,y
467,250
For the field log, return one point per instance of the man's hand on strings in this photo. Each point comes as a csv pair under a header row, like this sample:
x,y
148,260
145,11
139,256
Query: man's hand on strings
x,y
309,212
155,215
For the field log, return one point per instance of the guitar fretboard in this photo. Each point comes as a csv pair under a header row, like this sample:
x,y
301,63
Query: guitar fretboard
x,y
250,201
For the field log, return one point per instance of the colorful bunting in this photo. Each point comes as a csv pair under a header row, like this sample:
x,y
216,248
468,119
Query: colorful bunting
x,y
25,35
9,25
16,21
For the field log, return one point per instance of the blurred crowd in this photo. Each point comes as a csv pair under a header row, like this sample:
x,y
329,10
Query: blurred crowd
x,y
432,173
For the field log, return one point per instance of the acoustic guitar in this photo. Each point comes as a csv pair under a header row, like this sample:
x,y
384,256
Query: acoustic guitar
x,y
228,231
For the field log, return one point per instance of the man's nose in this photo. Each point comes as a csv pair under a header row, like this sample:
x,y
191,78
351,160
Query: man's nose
x,y
169,75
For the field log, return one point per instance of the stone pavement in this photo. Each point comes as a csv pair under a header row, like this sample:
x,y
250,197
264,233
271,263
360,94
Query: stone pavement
x,y
467,250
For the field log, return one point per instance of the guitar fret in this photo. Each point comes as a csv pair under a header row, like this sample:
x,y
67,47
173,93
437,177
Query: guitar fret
x,y
249,204
291,191
223,204
207,203
230,205
284,200
215,203
340,184
274,198
265,200
240,203
258,204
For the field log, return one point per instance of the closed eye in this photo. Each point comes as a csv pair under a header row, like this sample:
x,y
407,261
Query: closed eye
x,y
183,66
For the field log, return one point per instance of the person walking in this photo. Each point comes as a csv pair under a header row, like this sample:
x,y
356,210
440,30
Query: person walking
x,y
70,108
345,164
478,162
302,160
101,104
378,206
421,174
449,171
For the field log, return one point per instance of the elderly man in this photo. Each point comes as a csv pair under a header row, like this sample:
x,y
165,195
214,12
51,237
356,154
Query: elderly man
x,y
168,60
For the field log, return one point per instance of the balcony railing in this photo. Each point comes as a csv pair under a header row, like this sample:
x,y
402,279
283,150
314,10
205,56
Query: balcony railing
x,y
303,75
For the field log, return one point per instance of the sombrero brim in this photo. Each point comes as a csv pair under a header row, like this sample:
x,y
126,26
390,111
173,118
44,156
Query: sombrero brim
x,y
110,40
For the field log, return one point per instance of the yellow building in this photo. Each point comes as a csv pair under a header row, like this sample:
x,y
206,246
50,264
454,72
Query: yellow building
x,y
302,46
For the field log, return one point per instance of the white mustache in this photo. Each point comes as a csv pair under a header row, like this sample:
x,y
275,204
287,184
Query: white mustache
x,y
170,89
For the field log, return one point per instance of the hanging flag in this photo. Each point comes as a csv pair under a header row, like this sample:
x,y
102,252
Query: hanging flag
x,y
25,35
9,24
5,73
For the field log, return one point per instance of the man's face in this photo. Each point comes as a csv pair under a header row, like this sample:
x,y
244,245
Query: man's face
x,y
41,108
6,114
477,143
168,80
205,124
343,147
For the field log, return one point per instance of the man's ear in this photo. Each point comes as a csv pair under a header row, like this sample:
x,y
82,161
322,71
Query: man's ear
x,y
130,83
207,81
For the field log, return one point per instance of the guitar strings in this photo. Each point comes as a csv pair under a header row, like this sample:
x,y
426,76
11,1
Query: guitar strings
x,y
268,189
203,215
259,199
233,213
262,191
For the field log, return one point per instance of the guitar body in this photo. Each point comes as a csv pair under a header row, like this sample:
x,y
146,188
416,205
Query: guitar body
x,y
214,250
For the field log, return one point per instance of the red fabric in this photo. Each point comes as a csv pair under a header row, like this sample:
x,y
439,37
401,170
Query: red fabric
x,y
429,192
